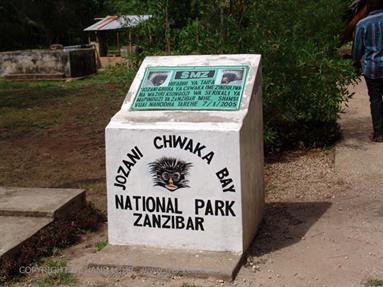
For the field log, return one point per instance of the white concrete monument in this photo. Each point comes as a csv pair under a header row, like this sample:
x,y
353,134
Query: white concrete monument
x,y
185,155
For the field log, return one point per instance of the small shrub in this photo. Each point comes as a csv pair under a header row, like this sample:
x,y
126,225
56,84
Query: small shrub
x,y
57,275
305,79
56,263
3,279
54,279
121,74
101,245
189,285
374,283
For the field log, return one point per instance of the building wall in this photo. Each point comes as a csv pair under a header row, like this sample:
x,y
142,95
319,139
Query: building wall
x,y
60,63
33,62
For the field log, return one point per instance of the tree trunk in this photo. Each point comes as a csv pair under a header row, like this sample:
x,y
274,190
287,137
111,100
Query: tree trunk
x,y
222,21
167,27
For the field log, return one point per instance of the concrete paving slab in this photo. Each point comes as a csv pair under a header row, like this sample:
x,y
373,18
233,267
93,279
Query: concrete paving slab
x,y
16,230
202,264
39,202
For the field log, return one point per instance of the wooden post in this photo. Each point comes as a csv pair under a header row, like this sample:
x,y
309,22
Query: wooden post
x,y
197,34
222,34
167,27
130,41
118,43
102,42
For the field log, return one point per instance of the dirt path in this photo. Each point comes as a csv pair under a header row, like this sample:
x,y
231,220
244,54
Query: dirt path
x,y
336,241
323,223
324,218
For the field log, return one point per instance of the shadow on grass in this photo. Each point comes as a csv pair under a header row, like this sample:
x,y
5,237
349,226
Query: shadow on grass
x,y
61,233
25,98
285,224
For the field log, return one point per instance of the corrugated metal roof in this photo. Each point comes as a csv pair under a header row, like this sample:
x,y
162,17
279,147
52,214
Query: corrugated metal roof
x,y
116,22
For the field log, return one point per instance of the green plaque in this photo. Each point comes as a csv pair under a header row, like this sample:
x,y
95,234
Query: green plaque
x,y
191,88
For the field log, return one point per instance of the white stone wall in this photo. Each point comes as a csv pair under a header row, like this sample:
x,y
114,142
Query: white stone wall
x,y
224,195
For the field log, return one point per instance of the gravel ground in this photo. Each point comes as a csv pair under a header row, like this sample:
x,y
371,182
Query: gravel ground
x,y
303,176
292,180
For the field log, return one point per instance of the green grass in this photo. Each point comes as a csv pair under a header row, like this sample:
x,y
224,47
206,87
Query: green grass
x,y
56,263
101,245
57,275
189,285
34,106
6,281
52,132
54,279
118,74
3,279
374,282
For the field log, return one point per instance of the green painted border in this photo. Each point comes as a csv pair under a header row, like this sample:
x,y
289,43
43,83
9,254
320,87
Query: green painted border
x,y
180,68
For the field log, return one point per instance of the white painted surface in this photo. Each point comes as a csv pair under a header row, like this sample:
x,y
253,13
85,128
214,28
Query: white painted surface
x,y
235,137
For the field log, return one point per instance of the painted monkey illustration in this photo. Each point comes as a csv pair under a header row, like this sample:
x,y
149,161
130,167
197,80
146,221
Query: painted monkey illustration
x,y
232,77
159,80
170,173
156,79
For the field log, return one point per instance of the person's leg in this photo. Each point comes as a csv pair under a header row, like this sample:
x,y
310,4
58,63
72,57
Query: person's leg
x,y
375,91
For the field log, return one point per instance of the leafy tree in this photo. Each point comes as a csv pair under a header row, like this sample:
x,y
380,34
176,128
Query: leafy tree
x,y
39,23
305,78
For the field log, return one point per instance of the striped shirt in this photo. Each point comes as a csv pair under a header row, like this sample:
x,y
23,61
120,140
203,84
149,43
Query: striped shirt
x,y
368,45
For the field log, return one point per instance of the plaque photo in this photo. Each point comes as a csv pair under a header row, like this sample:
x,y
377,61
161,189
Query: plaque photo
x,y
191,88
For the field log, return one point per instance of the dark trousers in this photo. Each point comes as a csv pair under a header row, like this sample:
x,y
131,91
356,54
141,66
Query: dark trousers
x,y
375,91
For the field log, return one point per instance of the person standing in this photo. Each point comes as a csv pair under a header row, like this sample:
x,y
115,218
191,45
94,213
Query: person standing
x,y
367,53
